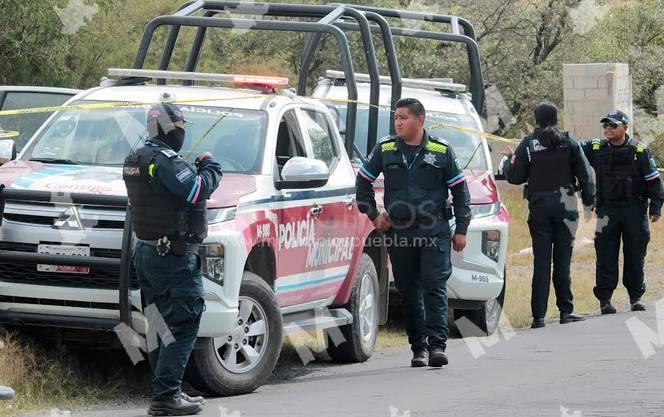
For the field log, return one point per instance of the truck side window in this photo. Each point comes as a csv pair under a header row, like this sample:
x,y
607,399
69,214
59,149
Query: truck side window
x,y
289,142
317,129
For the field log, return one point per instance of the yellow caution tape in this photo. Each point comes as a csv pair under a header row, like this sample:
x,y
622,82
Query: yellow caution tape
x,y
7,134
116,104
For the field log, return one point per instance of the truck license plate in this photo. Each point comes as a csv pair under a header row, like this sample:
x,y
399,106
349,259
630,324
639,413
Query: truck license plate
x,y
68,250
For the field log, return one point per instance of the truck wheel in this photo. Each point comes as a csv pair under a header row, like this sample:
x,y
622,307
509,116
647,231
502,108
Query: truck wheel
x,y
359,337
486,318
243,360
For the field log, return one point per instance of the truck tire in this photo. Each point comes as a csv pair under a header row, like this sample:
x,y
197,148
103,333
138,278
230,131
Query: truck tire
x,y
485,319
359,337
243,360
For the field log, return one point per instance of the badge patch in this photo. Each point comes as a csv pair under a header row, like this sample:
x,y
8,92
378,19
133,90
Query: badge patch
x,y
183,175
131,171
430,159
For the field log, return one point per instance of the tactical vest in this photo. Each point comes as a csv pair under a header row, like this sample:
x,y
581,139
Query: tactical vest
x,y
618,178
155,214
550,168
417,193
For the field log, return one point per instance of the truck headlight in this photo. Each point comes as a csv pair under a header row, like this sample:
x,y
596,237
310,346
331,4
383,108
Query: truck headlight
x,y
212,256
491,244
484,210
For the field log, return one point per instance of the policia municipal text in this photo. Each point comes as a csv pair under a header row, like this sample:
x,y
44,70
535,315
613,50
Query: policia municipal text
x,y
169,215
420,171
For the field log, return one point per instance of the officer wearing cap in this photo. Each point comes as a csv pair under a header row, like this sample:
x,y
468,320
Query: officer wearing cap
x,y
553,215
629,190
168,201
420,171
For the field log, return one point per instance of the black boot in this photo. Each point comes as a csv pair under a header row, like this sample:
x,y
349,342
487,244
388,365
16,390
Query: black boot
x,y
607,308
570,317
176,406
437,357
198,399
537,323
637,305
420,358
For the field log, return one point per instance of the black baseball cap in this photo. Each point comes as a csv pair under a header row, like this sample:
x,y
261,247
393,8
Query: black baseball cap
x,y
616,117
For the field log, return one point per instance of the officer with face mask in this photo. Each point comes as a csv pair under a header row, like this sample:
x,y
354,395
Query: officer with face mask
x,y
628,186
551,163
169,216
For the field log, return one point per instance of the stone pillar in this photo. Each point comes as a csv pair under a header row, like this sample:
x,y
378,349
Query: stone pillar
x,y
590,92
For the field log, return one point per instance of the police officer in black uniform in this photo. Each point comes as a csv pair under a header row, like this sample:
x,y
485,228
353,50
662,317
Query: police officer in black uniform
x,y
551,162
627,177
168,200
420,170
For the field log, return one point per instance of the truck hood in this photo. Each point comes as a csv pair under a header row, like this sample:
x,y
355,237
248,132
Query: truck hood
x,y
99,180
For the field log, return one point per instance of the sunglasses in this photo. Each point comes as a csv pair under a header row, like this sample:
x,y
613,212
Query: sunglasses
x,y
607,125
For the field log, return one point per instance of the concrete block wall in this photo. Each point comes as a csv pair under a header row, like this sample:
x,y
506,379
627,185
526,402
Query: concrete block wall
x,y
590,92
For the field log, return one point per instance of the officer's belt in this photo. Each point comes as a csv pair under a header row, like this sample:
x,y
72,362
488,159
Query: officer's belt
x,y
423,221
189,247
621,203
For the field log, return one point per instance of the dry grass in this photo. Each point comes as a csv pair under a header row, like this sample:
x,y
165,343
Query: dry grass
x,y
44,377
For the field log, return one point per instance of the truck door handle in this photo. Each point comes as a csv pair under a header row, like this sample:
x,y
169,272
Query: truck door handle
x,y
316,210
349,201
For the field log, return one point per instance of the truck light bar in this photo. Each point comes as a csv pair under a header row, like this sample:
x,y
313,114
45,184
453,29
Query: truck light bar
x,y
436,84
198,76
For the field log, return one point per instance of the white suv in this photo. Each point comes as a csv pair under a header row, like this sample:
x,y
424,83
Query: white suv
x,y
477,286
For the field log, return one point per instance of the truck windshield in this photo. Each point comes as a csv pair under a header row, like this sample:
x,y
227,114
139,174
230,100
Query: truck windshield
x,y
467,146
106,136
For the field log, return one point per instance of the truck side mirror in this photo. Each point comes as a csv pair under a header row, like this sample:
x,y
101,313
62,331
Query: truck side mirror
x,y
7,151
300,172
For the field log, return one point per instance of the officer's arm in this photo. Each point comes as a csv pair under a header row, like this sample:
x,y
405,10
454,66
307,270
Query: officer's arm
x,y
456,182
182,180
366,176
581,169
653,181
586,148
516,170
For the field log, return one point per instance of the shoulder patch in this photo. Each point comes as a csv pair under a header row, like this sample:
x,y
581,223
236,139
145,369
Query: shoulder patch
x,y
169,153
184,174
439,140
436,147
640,147
388,146
386,139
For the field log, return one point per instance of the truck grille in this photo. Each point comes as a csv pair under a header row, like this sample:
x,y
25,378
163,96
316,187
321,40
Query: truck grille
x,y
48,221
98,278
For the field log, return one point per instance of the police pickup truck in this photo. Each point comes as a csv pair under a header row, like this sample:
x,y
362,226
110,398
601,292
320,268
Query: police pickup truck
x,y
287,248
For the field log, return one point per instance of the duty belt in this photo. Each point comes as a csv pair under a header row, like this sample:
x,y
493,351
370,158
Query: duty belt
x,y
166,247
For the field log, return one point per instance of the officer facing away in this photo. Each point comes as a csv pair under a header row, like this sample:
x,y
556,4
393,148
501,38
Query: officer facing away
x,y
627,177
551,162
420,170
168,200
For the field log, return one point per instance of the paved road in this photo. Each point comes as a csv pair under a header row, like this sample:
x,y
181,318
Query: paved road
x,y
594,368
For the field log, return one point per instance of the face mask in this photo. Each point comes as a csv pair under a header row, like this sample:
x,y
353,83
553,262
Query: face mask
x,y
175,138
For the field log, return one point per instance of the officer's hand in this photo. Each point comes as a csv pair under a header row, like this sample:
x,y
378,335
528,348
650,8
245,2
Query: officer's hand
x,y
508,152
202,156
654,218
382,222
587,215
458,242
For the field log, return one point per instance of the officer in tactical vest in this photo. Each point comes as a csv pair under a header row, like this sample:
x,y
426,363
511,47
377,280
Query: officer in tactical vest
x,y
168,201
627,177
420,171
551,162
